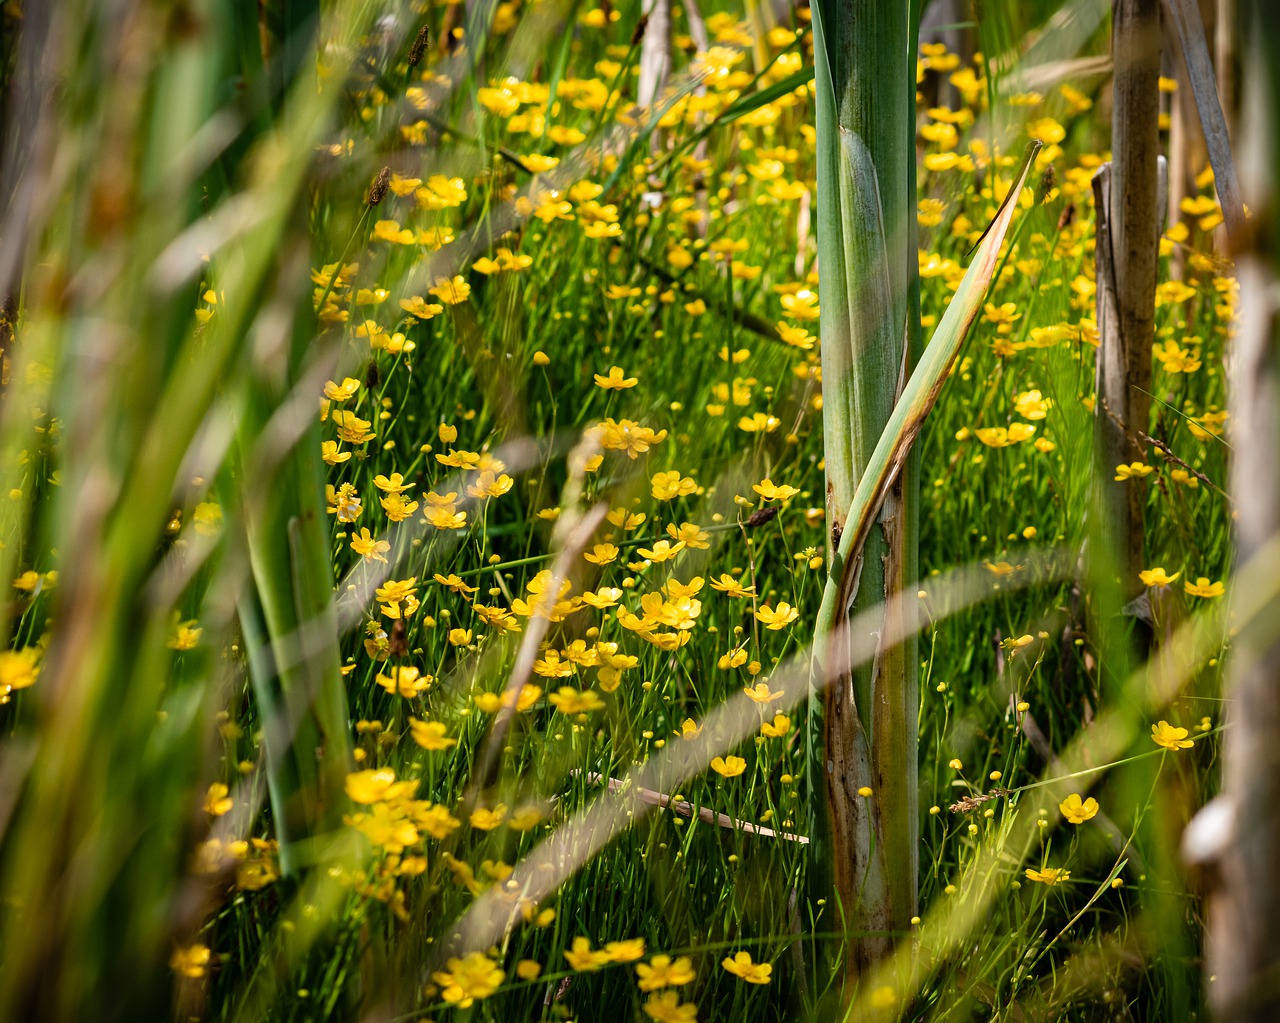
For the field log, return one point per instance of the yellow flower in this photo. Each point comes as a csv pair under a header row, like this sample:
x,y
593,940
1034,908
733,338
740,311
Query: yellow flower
x,y
398,507
525,818
459,637
661,971
690,729
407,681
551,666
731,587
370,548
451,291
605,597
185,635
740,965
419,308
218,800
624,951
28,581
331,455
1032,405
485,819
1004,316
467,980
993,436
771,491
575,701
352,428
1203,588
1176,359
489,484
581,957
803,305
403,186
601,554
779,618
191,961
797,337
19,668
1157,577
456,583
690,535
779,727
615,380
436,821
667,1008
759,422
430,735
663,550
207,518
1134,470
729,767
629,436
444,517
733,659
670,484
393,484
624,519
1164,734
1077,811
391,231
371,786
341,392
1047,130
760,693
1050,876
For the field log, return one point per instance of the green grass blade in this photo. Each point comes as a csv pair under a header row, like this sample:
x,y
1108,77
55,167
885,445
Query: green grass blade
x,y
918,398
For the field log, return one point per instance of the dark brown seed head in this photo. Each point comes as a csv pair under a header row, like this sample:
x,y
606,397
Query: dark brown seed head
x,y
419,47
1047,180
378,190
1067,216
398,641
761,515
638,34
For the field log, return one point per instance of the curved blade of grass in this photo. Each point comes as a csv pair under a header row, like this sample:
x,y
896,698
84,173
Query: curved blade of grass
x,y
917,400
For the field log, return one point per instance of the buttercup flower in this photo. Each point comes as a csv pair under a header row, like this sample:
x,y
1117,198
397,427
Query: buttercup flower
x,y
1166,735
729,767
741,965
465,981
1077,811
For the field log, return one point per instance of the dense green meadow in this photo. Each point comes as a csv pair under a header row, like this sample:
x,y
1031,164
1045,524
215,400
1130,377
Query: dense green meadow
x,y
416,528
